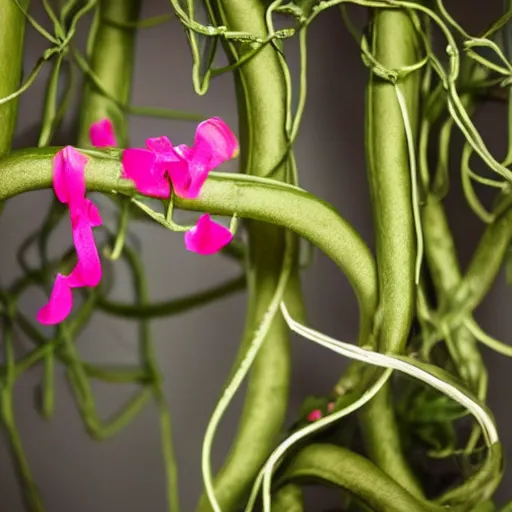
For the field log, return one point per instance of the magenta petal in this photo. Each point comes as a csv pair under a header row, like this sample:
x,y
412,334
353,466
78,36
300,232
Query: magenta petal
x,y
68,175
185,183
189,174
59,304
87,271
93,214
102,134
214,143
139,165
162,146
207,236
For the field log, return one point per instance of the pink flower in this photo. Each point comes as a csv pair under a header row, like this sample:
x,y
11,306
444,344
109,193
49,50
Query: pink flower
x,y
87,271
140,166
214,143
330,406
68,176
314,415
207,236
59,305
102,134
187,167
69,186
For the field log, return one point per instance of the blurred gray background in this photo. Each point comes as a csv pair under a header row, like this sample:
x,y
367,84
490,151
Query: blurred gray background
x,y
196,349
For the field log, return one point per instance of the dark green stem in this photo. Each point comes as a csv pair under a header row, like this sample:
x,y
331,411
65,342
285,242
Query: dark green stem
x,y
395,45
150,363
172,306
31,493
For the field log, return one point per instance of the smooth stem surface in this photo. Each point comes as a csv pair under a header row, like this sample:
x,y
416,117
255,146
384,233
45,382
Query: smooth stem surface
x,y
261,97
111,52
225,194
395,45
355,474
12,31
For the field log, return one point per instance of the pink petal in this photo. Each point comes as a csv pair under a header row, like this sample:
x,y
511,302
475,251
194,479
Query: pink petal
x,y
187,178
102,134
314,415
93,214
162,146
68,175
214,143
139,165
207,236
59,304
87,271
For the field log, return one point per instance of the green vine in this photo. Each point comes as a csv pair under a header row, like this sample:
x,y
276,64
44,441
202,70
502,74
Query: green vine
x,y
416,304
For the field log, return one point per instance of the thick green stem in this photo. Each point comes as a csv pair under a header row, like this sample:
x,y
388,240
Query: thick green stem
x,y
395,45
111,50
225,194
336,465
12,31
261,96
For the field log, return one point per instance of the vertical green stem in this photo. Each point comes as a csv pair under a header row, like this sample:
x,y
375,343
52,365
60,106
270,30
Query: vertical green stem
x,y
261,94
31,493
150,363
111,57
12,31
394,45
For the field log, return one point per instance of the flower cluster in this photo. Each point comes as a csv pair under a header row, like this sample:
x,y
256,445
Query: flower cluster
x,y
153,170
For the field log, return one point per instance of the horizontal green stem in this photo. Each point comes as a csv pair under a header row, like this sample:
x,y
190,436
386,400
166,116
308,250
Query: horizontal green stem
x,y
226,194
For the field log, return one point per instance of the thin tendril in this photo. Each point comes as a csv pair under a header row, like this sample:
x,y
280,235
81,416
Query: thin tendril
x,y
414,181
238,377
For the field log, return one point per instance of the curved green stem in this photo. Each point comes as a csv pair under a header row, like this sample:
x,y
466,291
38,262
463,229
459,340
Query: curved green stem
x,y
395,45
172,306
341,467
226,194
